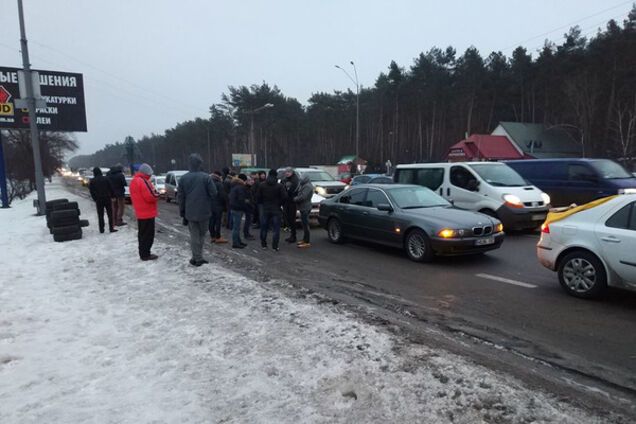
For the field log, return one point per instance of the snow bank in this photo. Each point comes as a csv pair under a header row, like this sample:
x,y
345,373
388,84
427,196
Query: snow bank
x,y
90,333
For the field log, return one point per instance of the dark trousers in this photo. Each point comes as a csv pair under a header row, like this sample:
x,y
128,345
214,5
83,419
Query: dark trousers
x,y
248,224
270,220
290,217
236,227
304,219
104,204
146,236
215,223
119,203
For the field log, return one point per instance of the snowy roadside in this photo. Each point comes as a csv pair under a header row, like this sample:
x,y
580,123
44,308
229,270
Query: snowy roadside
x,y
90,333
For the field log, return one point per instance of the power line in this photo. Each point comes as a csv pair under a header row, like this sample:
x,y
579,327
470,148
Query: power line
x,y
568,25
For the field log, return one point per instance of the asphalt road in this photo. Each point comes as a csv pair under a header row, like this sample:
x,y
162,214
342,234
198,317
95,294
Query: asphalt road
x,y
501,303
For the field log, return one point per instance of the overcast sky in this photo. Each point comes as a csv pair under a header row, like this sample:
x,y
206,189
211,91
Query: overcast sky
x,y
149,64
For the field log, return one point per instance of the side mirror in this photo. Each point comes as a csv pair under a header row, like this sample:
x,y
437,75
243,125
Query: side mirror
x,y
385,207
473,185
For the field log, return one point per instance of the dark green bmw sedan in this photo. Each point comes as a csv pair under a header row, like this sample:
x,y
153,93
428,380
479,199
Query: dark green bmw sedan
x,y
410,217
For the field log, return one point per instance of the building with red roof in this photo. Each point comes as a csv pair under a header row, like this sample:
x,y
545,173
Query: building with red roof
x,y
484,147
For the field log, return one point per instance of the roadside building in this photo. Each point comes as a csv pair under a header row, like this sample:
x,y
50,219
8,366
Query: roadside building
x,y
484,147
537,141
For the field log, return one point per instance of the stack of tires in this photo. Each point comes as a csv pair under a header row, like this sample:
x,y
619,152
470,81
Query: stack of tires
x,y
62,218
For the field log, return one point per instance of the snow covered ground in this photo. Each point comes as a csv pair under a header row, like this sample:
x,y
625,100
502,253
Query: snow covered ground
x,y
89,333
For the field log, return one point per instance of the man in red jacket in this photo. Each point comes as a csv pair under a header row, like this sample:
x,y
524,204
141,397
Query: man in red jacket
x,y
144,200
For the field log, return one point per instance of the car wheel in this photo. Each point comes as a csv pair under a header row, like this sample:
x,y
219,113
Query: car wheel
x,y
582,274
418,246
334,231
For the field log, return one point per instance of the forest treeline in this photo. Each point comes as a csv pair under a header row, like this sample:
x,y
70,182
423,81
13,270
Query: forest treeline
x,y
585,84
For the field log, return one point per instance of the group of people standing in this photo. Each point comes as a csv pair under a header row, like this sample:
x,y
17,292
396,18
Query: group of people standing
x,y
108,191
206,199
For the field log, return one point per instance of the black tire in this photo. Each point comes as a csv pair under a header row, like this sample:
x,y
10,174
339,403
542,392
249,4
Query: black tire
x,y
67,229
64,214
64,221
51,203
84,223
582,274
67,237
65,206
334,231
418,246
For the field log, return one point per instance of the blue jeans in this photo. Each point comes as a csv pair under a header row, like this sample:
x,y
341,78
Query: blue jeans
x,y
270,219
304,219
236,227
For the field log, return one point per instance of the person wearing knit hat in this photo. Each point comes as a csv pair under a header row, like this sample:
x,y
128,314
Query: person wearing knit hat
x,y
144,199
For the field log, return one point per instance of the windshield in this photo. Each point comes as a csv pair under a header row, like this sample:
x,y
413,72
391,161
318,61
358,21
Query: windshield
x,y
609,169
499,175
416,197
318,176
161,180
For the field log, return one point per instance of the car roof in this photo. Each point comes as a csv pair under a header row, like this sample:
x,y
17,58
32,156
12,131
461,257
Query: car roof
x,y
384,186
177,172
433,164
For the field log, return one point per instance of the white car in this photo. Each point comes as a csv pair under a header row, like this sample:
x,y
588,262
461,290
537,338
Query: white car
x,y
593,249
159,181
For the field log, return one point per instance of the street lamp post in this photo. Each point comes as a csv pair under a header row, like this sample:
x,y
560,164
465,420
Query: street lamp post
x,y
252,140
355,72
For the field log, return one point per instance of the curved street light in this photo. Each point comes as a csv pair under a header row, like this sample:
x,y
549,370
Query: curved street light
x,y
355,71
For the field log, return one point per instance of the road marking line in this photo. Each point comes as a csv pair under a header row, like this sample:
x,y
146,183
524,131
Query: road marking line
x,y
507,281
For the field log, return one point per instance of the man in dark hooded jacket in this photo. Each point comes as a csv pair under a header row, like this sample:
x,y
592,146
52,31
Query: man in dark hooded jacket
x,y
239,204
196,191
303,202
102,192
118,181
271,196
218,205
291,185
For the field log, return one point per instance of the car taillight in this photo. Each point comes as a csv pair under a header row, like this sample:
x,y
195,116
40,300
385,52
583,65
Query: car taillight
x,y
545,228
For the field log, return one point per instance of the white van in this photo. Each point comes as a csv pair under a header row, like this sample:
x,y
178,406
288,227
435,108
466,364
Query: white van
x,y
172,180
492,188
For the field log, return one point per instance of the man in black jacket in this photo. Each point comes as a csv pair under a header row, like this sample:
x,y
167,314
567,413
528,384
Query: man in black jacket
x,y
219,203
239,204
291,183
271,196
102,192
118,182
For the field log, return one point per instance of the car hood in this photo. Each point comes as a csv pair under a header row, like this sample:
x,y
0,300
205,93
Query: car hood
x,y
451,217
622,182
527,193
328,184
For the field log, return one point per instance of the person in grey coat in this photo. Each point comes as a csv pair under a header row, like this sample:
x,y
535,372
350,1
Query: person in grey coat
x,y
303,203
195,193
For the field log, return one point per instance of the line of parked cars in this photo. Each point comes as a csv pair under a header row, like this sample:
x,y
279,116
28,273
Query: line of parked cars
x,y
435,209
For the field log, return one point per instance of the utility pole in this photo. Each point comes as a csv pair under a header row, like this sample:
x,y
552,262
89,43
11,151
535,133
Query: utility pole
x,y
35,137
3,176
357,103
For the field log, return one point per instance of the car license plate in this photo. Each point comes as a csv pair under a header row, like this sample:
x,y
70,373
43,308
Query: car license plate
x,y
485,241
538,217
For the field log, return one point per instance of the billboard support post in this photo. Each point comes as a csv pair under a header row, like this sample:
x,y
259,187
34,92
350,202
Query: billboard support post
x,y
35,138
3,177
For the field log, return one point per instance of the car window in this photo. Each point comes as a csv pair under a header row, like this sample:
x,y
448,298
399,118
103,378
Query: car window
x,y
632,219
428,177
374,198
499,175
361,179
354,197
578,172
460,177
414,197
381,180
621,218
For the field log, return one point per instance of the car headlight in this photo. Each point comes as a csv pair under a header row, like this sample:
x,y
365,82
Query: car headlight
x,y
627,191
499,228
321,191
450,233
546,198
512,200
347,187
162,190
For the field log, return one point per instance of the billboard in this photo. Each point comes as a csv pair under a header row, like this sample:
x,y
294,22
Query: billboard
x,y
243,160
63,93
